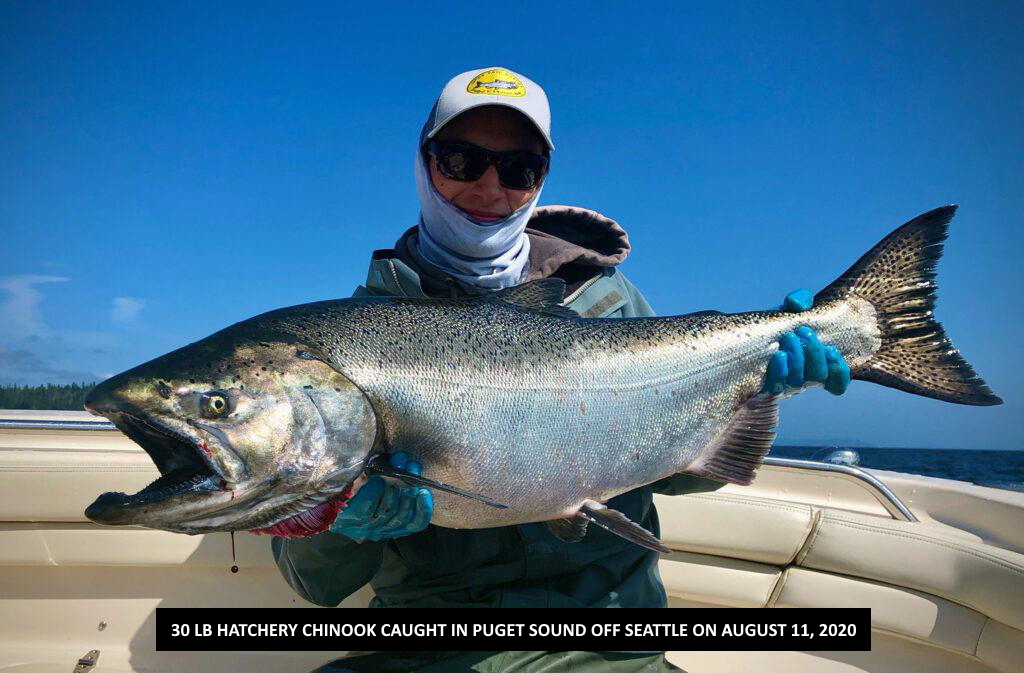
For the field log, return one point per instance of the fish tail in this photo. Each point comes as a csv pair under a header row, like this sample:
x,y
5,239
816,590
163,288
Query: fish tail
x,y
897,277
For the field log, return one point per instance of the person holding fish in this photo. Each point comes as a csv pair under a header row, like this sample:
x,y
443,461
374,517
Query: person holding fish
x,y
482,159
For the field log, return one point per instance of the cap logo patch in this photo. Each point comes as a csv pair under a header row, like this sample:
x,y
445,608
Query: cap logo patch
x,y
497,82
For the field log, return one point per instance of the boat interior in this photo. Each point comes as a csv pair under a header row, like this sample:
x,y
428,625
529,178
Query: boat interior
x,y
939,562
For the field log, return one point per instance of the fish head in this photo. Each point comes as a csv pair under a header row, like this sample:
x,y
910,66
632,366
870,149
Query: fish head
x,y
247,435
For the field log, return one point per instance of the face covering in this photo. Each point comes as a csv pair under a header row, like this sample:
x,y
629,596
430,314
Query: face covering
x,y
489,256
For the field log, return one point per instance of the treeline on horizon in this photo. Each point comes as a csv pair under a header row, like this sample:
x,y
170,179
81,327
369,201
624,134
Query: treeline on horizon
x,y
51,396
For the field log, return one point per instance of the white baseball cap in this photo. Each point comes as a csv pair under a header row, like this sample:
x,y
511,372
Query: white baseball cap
x,y
491,86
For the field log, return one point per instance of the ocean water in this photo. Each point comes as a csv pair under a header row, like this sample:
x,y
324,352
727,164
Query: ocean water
x,y
995,469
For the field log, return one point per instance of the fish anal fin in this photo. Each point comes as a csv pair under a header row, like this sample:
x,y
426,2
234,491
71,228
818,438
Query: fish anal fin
x,y
616,522
572,529
736,454
543,296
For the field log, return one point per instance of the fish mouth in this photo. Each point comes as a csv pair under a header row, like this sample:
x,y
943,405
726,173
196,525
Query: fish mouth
x,y
193,496
184,466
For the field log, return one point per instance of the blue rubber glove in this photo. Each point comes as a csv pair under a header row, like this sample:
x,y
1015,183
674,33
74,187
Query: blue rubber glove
x,y
801,359
382,510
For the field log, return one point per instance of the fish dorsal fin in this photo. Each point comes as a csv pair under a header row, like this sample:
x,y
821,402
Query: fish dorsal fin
x,y
544,296
737,452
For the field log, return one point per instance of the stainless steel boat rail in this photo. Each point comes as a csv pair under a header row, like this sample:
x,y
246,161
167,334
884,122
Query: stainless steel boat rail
x,y
32,424
889,500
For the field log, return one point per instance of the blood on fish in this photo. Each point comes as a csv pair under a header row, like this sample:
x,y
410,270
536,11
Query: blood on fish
x,y
234,566
313,521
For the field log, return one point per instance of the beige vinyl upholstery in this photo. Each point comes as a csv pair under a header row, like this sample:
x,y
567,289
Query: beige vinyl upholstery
x,y
923,581
894,609
982,577
1001,646
773,531
716,580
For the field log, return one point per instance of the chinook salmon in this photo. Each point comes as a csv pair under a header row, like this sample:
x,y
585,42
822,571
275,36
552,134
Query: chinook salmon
x,y
519,410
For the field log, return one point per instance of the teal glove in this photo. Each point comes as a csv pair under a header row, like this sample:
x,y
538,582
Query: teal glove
x,y
801,359
382,510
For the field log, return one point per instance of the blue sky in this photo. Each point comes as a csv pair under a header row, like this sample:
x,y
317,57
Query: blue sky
x,y
167,169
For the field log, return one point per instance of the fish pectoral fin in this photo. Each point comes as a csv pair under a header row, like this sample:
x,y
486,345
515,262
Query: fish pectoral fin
x,y
568,530
379,465
736,454
616,522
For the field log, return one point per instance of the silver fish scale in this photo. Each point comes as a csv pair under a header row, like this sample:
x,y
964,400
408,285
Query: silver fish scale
x,y
541,412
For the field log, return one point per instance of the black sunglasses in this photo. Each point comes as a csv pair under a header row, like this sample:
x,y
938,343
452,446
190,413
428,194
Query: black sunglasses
x,y
466,162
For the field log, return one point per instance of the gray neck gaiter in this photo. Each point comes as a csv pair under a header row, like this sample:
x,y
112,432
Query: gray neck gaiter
x,y
490,256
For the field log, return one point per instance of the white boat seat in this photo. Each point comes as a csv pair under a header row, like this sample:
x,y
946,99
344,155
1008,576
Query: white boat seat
x,y
922,580
715,580
915,555
918,555
909,614
706,523
895,609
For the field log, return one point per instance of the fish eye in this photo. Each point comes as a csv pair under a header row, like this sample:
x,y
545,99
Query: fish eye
x,y
213,404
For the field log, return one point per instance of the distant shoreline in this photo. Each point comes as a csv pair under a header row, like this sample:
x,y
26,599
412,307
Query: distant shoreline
x,y
47,397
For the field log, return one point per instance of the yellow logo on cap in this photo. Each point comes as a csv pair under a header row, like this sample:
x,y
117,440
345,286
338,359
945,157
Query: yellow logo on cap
x,y
497,82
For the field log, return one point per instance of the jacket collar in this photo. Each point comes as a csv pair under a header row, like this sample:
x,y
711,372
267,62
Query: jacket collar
x,y
566,235
572,243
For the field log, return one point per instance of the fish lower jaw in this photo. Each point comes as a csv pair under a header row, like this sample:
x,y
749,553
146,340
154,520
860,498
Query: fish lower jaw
x,y
115,508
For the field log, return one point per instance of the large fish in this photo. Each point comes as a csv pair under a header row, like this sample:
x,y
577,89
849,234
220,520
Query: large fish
x,y
526,411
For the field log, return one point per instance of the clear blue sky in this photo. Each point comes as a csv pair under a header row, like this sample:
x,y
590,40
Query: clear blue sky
x,y
169,168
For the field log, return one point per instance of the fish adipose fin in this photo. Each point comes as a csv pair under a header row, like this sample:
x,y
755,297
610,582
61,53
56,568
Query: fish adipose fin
x,y
543,296
616,522
736,454
897,277
568,530
379,465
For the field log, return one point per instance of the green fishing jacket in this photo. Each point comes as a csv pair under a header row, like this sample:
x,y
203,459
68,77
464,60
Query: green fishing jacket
x,y
514,566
